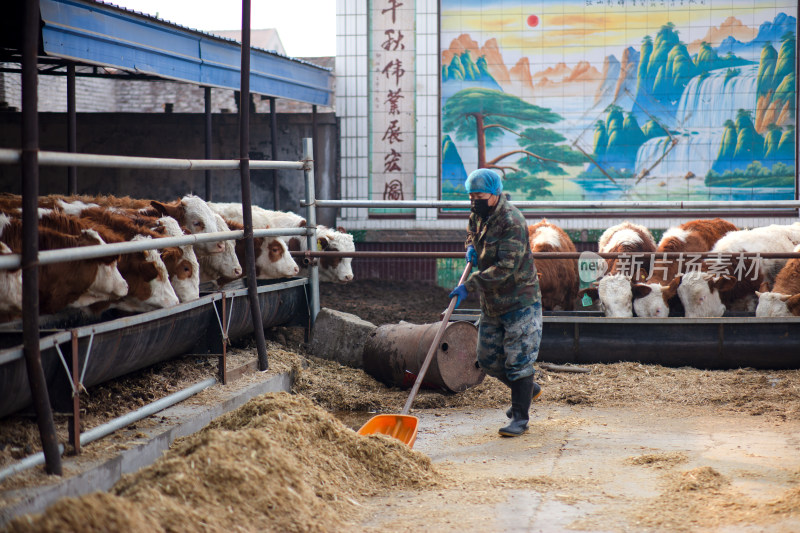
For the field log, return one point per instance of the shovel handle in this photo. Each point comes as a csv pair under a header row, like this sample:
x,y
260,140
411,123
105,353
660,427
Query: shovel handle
x,y
435,344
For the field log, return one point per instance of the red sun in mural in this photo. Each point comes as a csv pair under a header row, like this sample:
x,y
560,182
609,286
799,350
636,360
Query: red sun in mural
x,y
533,21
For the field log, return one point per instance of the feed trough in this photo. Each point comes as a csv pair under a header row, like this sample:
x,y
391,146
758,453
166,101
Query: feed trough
x,y
125,344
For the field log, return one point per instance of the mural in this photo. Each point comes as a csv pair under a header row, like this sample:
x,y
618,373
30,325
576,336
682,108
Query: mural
x,y
620,99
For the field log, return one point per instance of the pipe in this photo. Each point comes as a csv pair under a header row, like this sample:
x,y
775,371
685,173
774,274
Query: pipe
x,y
207,95
273,129
311,217
557,255
12,261
72,129
247,210
583,204
11,156
113,425
30,241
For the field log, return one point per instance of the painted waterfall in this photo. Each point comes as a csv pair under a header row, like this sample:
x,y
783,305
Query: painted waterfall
x,y
595,99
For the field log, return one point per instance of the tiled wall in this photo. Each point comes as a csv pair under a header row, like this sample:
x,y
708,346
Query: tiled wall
x,y
352,105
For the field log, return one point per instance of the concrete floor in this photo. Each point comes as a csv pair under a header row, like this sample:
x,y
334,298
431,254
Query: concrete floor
x,y
576,470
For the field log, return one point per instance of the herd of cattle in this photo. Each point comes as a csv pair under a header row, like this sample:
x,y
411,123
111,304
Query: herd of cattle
x,y
669,285
144,281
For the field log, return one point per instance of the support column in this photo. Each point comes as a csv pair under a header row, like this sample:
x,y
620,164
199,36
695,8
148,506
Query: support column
x,y
247,211
72,128
273,129
30,241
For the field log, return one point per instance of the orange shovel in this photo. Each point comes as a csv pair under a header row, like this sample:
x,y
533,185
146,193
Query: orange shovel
x,y
404,426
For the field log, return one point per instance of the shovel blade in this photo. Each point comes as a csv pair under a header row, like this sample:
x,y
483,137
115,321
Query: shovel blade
x,y
401,427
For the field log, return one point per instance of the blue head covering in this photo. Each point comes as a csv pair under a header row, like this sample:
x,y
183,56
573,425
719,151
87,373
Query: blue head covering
x,y
484,180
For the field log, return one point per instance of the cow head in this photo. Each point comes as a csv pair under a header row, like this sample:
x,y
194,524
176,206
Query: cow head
x,y
181,263
335,269
108,283
149,284
700,293
214,266
615,295
274,260
195,215
10,286
772,304
651,300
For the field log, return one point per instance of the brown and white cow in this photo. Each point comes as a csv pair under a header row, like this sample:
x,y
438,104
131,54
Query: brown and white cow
x,y
558,278
614,289
222,266
71,283
334,269
10,286
147,276
784,297
273,259
657,297
731,283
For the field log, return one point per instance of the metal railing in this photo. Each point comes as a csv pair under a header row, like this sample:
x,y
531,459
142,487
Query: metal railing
x,y
577,204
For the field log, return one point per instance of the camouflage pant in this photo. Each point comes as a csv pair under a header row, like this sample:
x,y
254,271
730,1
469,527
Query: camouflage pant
x,y
509,344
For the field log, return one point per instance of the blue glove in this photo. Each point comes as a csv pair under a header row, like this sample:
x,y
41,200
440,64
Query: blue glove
x,y
472,255
460,292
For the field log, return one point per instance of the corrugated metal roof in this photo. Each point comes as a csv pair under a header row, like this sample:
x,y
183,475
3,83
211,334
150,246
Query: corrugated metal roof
x,y
108,35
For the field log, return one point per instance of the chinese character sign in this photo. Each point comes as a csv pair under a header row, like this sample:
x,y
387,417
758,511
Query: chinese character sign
x,y
392,79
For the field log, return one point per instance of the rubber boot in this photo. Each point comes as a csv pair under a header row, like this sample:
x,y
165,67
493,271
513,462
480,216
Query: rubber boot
x,y
537,391
521,393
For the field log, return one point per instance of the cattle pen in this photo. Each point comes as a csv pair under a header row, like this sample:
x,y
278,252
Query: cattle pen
x,y
48,360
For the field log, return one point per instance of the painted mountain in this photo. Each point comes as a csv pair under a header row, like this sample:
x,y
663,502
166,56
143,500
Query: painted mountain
x,y
717,114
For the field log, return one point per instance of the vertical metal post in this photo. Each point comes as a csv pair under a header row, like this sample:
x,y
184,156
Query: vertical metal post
x,y
30,240
315,139
208,140
75,426
247,211
311,217
273,131
72,128
223,359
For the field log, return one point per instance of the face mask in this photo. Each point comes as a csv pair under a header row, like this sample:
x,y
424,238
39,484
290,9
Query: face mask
x,y
481,207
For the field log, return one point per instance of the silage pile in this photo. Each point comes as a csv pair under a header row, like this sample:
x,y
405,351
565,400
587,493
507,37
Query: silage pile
x,y
278,463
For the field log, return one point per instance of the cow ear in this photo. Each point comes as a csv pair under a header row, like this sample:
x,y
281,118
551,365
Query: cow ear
x,y
592,292
322,243
640,290
539,276
793,303
341,229
672,289
303,223
164,209
722,283
764,287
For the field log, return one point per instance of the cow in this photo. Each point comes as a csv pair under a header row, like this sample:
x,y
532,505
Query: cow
x,y
162,294
272,256
69,283
333,269
10,286
614,290
558,278
784,297
145,272
657,297
223,265
181,262
731,284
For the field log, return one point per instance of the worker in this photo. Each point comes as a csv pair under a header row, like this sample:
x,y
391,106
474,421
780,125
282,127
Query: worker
x,y
511,310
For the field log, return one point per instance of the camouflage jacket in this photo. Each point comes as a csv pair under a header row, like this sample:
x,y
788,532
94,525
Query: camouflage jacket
x,y
506,273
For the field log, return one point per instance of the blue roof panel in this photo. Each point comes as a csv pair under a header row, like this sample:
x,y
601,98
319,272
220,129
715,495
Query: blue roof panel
x,y
106,35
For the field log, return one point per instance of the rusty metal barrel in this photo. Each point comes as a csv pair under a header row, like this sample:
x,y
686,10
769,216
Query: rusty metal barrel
x,y
394,354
